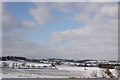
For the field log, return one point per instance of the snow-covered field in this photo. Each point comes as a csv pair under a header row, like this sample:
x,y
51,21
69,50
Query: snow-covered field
x,y
28,63
62,71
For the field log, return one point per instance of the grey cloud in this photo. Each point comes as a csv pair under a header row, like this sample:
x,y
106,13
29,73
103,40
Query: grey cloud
x,y
82,17
30,25
44,11
13,39
98,38
41,14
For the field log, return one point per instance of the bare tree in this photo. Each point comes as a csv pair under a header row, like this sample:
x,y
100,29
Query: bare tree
x,y
24,64
107,71
117,72
18,66
94,74
13,65
103,74
28,66
5,65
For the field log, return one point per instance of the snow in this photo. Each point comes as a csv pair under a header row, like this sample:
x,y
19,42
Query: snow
x,y
62,71
27,63
85,71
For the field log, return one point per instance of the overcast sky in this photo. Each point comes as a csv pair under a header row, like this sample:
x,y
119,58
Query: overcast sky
x,y
73,30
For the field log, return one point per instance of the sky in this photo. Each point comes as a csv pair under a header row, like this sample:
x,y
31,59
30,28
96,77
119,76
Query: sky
x,y
71,30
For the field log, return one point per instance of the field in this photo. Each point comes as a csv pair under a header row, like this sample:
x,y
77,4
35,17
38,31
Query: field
x,y
62,71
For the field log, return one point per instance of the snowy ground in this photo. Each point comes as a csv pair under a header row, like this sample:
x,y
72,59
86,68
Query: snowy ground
x,y
63,71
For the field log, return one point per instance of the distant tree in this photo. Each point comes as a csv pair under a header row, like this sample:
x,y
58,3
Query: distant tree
x,y
85,65
38,66
58,63
53,65
33,66
28,66
18,66
24,64
45,66
13,65
5,65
